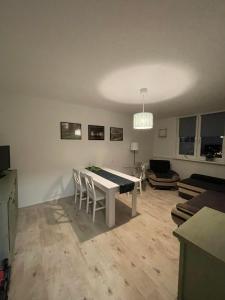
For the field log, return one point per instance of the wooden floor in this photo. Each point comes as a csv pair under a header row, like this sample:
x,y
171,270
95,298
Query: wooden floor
x,y
61,255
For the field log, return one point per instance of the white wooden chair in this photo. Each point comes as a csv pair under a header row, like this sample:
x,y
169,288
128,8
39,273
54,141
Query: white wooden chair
x,y
79,188
97,197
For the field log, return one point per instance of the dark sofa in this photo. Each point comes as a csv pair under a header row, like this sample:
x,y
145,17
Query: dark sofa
x,y
202,191
183,211
197,184
160,174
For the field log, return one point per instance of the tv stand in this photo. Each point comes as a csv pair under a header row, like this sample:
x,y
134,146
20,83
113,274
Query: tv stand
x,y
8,213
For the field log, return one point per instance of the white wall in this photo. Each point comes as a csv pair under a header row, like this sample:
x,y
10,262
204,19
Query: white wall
x,y
44,162
166,148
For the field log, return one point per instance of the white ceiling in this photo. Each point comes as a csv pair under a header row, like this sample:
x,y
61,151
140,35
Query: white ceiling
x,y
101,52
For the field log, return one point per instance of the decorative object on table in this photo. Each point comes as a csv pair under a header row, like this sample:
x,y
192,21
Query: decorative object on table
x,y
116,134
93,169
70,131
143,120
96,132
162,133
134,147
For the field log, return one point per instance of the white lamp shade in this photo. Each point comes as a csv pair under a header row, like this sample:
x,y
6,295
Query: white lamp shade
x,y
134,146
143,120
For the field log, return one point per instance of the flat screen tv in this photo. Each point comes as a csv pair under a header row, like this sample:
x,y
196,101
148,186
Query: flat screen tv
x,y
4,158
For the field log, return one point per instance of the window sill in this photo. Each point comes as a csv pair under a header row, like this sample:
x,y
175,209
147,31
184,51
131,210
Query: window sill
x,y
201,161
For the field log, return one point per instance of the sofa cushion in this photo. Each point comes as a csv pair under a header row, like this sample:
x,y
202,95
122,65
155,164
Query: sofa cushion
x,y
212,199
202,185
159,166
179,217
171,176
206,178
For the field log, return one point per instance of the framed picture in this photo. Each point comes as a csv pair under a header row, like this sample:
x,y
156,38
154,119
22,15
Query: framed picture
x,y
163,132
116,134
96,132
70,131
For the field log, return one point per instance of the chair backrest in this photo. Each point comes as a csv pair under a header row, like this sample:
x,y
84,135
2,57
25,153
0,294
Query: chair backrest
x,y
159,166
140,170
142,176
90,186
76,177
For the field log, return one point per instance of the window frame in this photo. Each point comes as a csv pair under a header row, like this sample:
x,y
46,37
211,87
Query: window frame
x,y
185,156
202,158
197,145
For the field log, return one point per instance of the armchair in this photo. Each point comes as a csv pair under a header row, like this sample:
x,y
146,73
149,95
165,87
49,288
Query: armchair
x,y
160,174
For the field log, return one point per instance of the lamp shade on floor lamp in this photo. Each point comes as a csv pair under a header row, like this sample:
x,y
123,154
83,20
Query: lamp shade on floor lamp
x,y
134,147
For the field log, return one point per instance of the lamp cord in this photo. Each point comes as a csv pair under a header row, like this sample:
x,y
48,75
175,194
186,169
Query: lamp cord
x,y
143,101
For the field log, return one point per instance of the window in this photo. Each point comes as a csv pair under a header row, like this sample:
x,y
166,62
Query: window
x,y
212,134
187,132
202,137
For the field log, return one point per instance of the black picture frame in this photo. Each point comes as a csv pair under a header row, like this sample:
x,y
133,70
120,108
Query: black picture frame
x,y
96,132
116,134
70,131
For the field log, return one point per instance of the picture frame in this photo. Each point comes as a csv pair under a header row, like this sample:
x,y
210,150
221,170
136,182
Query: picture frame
x,y
96,132
70,131
162,133
116,134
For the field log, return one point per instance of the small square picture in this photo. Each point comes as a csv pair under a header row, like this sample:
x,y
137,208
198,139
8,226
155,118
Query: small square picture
x,y
96,132
70,131
116,134
163,132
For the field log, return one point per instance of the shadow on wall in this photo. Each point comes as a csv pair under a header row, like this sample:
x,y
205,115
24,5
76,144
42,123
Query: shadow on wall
x,y
63,212
59,189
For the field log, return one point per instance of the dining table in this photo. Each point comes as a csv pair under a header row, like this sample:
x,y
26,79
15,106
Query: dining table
x,y
110,189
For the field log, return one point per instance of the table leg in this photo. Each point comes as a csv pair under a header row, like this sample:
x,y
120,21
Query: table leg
x,y
110,208
134,201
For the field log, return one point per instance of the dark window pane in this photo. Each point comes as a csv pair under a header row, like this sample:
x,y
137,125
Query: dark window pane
x,y
213,125
187,126
187,129
212,134
212,145
187,146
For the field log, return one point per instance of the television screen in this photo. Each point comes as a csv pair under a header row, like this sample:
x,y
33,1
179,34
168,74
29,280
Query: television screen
x,y
4,158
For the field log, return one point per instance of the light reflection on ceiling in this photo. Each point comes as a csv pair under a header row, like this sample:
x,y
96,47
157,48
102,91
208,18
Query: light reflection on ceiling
x,y
164,81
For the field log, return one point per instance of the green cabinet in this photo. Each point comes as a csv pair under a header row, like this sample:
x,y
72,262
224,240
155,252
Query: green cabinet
x,y
202,256
8,213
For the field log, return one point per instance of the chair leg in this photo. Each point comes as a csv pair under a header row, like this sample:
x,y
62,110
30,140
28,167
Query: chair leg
x,y
87,206
81,195
94,207
140,187
75,196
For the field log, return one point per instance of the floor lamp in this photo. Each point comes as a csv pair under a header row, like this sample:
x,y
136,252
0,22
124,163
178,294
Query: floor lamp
x,y
134,148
